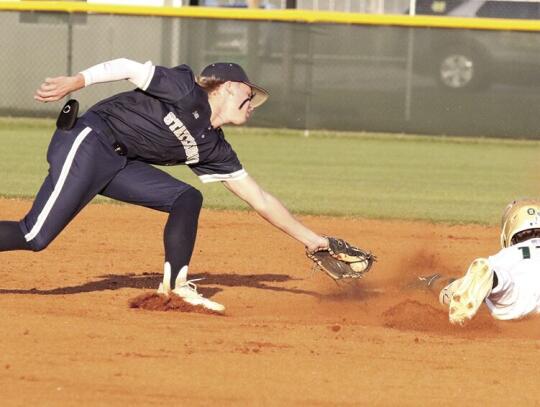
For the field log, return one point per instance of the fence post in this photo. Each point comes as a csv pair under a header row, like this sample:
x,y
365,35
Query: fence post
x,y
290,4
412,7
69,44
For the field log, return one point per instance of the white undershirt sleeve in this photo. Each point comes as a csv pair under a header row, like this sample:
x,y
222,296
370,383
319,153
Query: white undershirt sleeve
x,y
119,69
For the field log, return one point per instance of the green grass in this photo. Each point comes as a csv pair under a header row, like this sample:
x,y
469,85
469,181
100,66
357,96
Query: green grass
x,y
457,180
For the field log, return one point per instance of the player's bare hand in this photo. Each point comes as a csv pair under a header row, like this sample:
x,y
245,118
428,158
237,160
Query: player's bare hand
x,y
53,89
321,243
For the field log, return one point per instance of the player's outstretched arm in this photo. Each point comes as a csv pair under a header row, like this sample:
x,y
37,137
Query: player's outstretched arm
x,y
53,89
271,209
140,75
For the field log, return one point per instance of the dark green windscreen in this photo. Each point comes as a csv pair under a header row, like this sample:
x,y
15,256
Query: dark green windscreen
x,y
320,76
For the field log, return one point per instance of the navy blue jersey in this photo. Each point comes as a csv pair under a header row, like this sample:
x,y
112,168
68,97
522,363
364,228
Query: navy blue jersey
x,y
169,123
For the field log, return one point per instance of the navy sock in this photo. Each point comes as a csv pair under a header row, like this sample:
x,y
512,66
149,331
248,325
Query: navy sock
x,y
181,231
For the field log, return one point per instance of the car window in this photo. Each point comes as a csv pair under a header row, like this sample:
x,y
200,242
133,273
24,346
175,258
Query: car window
x,y
509,9
436,7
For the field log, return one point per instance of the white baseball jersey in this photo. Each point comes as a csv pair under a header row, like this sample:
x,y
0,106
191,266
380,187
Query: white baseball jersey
x,y
517,293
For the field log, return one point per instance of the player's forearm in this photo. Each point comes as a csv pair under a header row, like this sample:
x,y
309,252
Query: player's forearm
x,y
278,215
271,209
120,69
140,75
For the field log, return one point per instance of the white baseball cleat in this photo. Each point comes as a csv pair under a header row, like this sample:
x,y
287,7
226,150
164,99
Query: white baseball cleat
x,y
186,289
465,295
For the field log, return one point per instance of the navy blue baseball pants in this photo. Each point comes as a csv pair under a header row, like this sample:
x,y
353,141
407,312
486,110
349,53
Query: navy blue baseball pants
x,y
82,164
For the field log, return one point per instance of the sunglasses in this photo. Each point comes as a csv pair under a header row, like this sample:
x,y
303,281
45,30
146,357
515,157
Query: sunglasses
x,y
248,99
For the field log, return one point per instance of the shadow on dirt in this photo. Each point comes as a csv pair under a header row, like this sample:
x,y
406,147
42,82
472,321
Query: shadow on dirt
x,y
152,280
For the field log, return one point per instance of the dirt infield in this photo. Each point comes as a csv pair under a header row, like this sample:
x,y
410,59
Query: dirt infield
x,y
289,336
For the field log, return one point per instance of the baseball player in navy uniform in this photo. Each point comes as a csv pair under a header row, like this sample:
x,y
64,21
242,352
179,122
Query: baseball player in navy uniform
x,y
171,118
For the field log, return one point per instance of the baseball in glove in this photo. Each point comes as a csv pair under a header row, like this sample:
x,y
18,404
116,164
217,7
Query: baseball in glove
x,y
342,260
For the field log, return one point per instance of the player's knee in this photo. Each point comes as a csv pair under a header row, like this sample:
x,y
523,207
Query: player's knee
x,y
38,244
196,197
192,200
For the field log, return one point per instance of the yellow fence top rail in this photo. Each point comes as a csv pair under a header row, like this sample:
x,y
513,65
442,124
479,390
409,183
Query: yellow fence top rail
x,y
304,16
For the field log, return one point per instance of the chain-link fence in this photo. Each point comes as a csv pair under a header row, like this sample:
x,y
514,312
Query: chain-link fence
x,y
321,76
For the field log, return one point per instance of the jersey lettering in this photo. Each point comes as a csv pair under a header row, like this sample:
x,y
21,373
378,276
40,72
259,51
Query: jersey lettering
x,y
526,251
184,136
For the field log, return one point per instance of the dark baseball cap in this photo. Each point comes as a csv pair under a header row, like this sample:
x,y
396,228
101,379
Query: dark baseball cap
x,y
229,71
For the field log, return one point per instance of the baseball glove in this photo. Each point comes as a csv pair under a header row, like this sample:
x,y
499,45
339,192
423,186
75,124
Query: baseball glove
x,y
342,260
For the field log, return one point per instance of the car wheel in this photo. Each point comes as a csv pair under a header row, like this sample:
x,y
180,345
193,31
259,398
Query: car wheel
x,y
460,70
